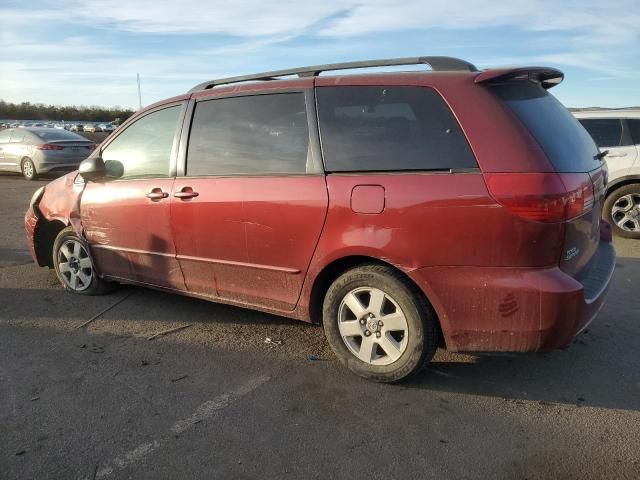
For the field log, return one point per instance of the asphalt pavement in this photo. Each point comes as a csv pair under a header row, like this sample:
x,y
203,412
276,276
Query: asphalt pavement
x,y
214,400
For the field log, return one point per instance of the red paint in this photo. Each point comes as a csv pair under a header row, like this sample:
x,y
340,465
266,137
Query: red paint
x,y
130,234
492,256
249,239
367,199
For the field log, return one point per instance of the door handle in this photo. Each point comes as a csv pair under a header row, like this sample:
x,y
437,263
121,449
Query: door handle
x,y
185,193
616,154
157,194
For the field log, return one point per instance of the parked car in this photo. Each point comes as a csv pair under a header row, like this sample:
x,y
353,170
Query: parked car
x,y
618,133
107,127
33,150
77,128
384,206
92,128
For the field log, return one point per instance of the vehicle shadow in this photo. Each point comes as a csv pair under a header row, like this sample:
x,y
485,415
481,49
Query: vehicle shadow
x,y
600,368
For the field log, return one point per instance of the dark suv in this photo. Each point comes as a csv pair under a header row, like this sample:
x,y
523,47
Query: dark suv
x,y
402,210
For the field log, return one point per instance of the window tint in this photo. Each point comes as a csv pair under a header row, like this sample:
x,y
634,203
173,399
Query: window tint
x,y
55,134
5,135
144,148
261,134
607,132
634,129
389,128
567,145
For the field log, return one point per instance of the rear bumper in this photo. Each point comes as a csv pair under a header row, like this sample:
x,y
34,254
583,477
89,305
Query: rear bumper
x,y
57,166
516,309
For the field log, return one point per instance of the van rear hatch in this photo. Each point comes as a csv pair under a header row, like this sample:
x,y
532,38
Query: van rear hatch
x,y
576,187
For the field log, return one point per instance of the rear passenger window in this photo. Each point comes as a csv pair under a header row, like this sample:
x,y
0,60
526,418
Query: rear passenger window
x,y
607,132
634,128
254,135
389,129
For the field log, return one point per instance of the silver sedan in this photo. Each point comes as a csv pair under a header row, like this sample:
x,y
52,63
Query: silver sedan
x,y
34,150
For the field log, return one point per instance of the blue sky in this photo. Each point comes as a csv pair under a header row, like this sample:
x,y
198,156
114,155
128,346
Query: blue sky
x,y
81,52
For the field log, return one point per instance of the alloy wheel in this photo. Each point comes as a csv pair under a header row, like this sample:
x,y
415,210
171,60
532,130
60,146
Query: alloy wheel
x,y
373,326
27,169
626,212
75,265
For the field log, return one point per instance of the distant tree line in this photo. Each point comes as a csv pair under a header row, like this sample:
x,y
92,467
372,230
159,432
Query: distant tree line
x,y
40,111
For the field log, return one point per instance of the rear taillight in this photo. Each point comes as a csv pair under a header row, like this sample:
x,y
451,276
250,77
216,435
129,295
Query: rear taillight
x,y
48,146
542,197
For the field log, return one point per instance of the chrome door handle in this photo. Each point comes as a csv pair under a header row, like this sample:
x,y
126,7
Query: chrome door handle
x,y
186,193
616,154
157,194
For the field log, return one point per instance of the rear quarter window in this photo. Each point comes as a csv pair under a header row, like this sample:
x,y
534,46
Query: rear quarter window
x,y
565,142
634,130
607,132
389,129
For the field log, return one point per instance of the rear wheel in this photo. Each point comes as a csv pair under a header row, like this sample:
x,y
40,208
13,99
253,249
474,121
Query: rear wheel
x,y
622,210
74,266
378,325
28,169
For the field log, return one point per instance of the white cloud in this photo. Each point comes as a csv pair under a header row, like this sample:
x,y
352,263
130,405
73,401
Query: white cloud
x,y
591,34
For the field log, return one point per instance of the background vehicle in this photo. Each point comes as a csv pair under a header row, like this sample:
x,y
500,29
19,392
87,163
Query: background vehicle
x,y
32,150
92,128
107,127
77,128
418,222
618,131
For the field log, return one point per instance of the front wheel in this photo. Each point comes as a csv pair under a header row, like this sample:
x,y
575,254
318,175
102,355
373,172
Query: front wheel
x,y
622,210
74,266
378,325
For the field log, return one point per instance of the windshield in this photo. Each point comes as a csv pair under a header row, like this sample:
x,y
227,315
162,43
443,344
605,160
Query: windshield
x,y
566,143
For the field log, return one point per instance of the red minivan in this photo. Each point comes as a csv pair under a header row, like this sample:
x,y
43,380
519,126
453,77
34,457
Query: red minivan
x,y
403,211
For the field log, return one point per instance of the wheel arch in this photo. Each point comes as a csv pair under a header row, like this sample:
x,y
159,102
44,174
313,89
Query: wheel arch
x,y
337,267
45,234
622,182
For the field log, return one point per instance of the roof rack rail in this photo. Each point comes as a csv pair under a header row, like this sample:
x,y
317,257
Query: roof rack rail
x,y
436,64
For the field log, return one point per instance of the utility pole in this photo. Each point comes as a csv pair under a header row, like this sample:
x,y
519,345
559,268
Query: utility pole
x,y
139,92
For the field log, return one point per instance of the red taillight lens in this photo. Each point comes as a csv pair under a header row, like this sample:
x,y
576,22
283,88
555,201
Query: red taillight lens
x,y
542,197
48,146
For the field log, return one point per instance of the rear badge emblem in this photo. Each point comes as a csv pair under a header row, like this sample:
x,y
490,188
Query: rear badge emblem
x,y
572,252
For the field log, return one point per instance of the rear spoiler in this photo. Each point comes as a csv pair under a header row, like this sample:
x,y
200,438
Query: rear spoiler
x,y
547,77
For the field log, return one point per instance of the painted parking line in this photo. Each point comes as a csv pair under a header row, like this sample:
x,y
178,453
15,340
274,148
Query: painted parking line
x,y
203,412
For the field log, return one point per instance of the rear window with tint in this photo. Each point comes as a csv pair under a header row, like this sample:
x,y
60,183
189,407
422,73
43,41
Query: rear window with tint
x,y
55,134
607,132
389,129
567,145
634,130
254,135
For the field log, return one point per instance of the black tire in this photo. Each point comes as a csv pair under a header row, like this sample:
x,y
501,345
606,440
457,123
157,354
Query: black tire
x,y
28,169
67,239
422,334
615,196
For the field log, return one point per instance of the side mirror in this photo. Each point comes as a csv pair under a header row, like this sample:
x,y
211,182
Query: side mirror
x,y
92,169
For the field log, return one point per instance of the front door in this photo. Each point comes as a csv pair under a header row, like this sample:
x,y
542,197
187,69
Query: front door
x,y
248,214
126,217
